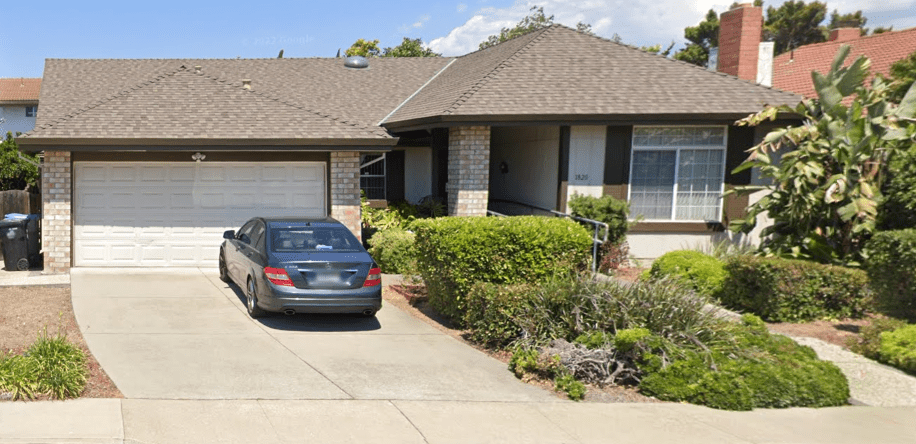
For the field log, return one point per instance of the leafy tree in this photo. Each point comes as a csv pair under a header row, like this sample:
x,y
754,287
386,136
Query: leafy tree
x,y
903,72
18,171
657,49
701,38
410,48
584,28
851,20
535,20
365,48
882,29
825,190
794,24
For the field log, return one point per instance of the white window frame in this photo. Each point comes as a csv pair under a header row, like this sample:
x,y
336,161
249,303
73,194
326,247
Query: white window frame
x,y
677,166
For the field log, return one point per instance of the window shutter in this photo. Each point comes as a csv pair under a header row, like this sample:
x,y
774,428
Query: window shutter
x,y
740,138
394,176
619,146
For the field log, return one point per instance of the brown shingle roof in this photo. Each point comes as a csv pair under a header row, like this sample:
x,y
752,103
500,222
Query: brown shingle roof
x,y
186,105
352,100
559,71
20,90
792,70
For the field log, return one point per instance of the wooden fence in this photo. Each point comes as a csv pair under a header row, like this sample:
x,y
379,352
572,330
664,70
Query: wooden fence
x,y
17,201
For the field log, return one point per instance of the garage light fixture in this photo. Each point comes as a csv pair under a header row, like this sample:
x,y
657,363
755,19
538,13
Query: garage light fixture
x,y
198,157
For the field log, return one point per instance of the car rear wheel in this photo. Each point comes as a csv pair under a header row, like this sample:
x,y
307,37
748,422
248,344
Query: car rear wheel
x,y
223,271
251,302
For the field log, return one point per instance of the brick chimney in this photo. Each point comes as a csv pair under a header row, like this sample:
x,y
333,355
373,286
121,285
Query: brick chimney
x,y
844,34
740,32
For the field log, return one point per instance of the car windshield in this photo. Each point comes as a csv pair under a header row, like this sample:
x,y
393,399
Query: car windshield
x,y
313,239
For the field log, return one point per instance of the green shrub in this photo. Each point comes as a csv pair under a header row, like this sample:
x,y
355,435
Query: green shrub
x,y
760,370
702,272
491,312
51,365
393,250
574,389
897,210
869,340
453,253
523,361
898,348
60,365
784,290
607,209
625,340
891,268
595,339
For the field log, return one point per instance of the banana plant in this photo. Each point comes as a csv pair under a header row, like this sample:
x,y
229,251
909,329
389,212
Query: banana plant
x,y
825,187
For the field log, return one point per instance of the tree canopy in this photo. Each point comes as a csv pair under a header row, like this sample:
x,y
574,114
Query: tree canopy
x,y
903,73
536,19
700,39
18,171
409,48
365,48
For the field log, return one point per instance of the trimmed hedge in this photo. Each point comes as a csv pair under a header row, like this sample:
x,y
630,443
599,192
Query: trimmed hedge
x,y
898,348
784,290
607,209
454,253
891,267
702,272
393,250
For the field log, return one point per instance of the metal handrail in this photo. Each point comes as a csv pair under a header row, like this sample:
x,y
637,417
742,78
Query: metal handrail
x,y
596,240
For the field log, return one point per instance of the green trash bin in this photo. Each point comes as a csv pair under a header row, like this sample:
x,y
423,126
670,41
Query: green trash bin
x,y
15,244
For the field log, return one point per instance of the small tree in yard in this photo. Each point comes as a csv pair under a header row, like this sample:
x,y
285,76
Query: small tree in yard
x,y
825,191
18,171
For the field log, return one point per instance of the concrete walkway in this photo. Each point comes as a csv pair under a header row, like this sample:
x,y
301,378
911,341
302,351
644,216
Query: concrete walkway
x,y
381,421
31,277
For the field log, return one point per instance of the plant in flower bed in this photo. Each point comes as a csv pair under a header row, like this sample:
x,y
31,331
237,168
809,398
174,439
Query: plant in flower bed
x,y
700,271
657,335
51,366
890,341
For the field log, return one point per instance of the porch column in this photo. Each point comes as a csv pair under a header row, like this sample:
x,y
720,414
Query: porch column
x,y
468,170
56,177
345,190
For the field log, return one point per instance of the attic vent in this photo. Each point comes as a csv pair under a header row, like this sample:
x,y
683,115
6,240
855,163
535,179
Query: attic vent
x,y
357,62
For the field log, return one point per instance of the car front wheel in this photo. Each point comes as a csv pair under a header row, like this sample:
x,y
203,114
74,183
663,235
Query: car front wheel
x,y
223,271
251,302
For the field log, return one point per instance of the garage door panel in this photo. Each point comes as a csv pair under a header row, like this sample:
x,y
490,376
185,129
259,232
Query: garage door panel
x,y
168,214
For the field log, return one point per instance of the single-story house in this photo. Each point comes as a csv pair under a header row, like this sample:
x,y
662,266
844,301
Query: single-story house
x,y
146,162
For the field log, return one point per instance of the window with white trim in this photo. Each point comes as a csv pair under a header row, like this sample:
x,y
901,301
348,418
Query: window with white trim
x,y
678,173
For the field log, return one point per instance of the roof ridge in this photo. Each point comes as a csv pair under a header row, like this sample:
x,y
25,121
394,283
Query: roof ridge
x,y
155,79
496,70
290,104
848,42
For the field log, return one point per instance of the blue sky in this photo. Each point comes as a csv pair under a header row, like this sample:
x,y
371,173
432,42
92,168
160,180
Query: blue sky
x,y
228,29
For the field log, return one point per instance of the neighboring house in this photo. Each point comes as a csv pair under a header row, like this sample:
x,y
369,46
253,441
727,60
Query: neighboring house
x,y
741,52
161,156
18,105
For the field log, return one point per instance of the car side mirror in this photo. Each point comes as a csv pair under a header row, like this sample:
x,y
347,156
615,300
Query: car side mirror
x,y
229,234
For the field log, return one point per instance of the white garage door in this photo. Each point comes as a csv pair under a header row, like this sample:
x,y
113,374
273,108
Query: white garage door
x,y
162,214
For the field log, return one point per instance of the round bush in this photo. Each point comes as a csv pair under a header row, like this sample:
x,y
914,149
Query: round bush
x,y
393,250
898,348
704,273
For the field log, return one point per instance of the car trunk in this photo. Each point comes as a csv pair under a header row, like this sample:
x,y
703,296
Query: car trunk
x,y
327,271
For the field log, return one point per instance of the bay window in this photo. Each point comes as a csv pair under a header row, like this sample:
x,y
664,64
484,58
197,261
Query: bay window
x,y
677,173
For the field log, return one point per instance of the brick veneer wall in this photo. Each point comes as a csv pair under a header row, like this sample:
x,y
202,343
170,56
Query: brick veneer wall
x,y
56,177
468,170
345,189
740,31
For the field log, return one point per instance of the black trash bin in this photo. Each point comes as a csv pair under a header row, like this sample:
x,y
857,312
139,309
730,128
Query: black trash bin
x,y
14,237
34,235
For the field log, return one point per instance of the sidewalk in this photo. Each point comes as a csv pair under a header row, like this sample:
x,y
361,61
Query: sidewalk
x,y
31,277
382,421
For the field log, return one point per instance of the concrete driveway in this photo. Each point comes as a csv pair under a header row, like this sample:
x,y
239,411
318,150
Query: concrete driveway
x,y
167,334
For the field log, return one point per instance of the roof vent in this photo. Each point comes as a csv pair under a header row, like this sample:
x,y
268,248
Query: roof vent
x,y
246,83
197,69
357,62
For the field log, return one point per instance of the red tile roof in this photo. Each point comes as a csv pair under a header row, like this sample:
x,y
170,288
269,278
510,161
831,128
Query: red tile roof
x,y
792,70
19,90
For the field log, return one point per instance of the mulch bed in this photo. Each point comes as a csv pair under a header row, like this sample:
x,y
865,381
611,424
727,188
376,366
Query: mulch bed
x,y
29,310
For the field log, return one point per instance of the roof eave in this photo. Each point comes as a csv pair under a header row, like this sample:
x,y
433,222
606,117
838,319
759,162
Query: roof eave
x,y
425,123
36,144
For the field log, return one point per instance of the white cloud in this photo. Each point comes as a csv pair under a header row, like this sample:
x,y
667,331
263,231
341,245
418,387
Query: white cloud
x,y
639,22
462,7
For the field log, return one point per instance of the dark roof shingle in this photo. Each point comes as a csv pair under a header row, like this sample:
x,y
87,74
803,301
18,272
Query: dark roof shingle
x,y
559,71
